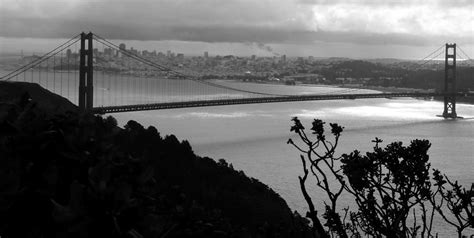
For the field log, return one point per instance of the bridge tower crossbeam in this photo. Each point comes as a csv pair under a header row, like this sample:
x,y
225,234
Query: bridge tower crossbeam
x,y
86,92
450,82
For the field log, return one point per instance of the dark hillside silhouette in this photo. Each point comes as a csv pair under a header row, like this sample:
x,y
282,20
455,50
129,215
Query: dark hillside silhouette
x,y
70,175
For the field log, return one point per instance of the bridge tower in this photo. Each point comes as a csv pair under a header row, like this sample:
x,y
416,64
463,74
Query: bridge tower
x,y
450,82
86,73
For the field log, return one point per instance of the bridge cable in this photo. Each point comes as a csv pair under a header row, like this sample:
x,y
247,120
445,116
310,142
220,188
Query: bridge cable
x,y
464,53
176,73
40,59
432,53
25,68
427,61
360,88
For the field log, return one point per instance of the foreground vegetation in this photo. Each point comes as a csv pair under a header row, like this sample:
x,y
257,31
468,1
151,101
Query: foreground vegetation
x,y
387,185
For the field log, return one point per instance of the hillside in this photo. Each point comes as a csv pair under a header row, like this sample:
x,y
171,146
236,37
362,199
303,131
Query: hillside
x,y
46,101
69,175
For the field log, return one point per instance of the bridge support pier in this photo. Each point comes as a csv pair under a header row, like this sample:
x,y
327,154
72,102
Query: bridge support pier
x,y
450,82
86,94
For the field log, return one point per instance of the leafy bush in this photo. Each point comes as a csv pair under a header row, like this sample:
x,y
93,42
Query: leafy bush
x,y
387,185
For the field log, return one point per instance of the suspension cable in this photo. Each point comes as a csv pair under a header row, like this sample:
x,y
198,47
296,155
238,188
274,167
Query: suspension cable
x,y
464,53
424,60
432,53
174,72
39,60
27,67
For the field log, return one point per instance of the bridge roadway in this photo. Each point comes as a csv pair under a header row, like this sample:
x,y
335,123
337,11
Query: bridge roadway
x,y
221,102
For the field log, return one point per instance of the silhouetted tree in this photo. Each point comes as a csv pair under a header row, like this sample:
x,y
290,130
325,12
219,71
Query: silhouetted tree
x,y
453,204
319,154
387,185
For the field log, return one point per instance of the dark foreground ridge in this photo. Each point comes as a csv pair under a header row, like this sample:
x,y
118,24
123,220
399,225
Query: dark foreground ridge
x,y
68,175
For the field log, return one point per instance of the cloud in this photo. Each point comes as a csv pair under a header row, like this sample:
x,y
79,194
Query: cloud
x,y
399,22
253,36
405,3
421,19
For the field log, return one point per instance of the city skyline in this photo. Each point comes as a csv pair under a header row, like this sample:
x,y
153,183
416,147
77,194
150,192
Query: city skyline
x,y
355,29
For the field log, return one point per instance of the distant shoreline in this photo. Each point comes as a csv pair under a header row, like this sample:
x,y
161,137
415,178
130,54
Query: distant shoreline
x,y
465,100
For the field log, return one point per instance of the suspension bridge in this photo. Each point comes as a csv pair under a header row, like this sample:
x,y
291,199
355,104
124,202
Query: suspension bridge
x,y
111,79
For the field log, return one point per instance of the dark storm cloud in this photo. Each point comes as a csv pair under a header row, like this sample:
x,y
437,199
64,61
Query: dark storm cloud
x,y
263,21
444,3
49,28
135,19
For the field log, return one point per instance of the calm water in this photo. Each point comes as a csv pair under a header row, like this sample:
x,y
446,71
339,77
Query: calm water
x,y
253,137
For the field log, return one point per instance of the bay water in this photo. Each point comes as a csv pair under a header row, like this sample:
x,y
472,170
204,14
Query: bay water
x,y
253,137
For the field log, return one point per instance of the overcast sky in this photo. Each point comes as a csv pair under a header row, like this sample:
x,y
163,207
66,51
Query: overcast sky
x,y
351,28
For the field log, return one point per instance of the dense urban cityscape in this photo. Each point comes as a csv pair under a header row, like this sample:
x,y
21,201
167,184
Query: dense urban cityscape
x,y
276,69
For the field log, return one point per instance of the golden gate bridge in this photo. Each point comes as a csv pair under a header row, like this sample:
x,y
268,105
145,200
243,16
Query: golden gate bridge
x,y
102,85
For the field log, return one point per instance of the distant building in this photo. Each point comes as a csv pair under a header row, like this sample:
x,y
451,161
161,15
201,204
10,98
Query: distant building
x,y
168,53
30,59
206,54
108,52
180,56
122,47
253,57
305,78
68,53
283,58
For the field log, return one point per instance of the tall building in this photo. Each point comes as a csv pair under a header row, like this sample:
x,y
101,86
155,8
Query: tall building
x,y
206,54
121,47
108,51
168,53
283,58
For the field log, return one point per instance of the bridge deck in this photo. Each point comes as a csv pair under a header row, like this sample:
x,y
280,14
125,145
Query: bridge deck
x,y
207,103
